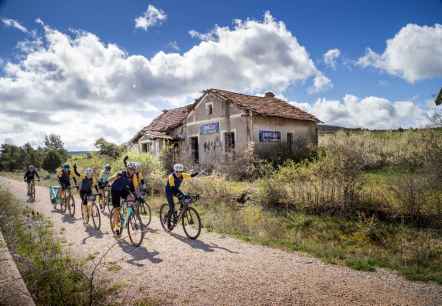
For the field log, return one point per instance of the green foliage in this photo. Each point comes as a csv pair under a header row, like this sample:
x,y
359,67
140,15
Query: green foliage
x,y
53,142
52,277
52,161
362,244
107,148
167,158
14,157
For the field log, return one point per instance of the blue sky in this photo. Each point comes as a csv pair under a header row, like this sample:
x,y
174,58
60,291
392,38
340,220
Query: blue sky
x,y
318,26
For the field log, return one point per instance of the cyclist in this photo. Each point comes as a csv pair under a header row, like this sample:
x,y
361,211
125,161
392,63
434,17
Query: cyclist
x,y
120,186
64,178
87,182
30,175
135,177
173,184
103,180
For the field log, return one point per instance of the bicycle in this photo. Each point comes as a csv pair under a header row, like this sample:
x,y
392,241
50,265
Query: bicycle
x,y
68,202
188,216
129,217
91,210
31,190
104,199
145,211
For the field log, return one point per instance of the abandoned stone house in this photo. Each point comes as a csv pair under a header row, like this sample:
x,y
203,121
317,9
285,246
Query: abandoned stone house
x,y
221,124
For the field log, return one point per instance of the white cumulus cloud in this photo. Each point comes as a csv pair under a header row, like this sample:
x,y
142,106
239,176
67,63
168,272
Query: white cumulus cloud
x,y
331,56
414,53
151,17
78,86
369,112
14,24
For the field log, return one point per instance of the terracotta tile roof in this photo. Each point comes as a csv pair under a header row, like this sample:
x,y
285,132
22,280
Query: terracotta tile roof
x,y
169,119
266,106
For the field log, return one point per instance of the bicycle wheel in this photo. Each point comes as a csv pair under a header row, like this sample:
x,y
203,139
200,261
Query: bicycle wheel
x,y
108,201
191,223
63,204
84,213
33,192
135,229
145,213
71,205
114,221
95,214
164,215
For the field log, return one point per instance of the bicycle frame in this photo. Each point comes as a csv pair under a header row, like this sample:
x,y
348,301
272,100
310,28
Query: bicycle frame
x,y
184,206
126,212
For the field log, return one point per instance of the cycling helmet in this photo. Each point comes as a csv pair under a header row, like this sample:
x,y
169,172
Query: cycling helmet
x,y
132,165
178,167
31,167
66,166
88,172
107,167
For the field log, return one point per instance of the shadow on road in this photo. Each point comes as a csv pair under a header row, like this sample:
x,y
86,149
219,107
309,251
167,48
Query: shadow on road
x,y
92,233
68,219
201,245
138,254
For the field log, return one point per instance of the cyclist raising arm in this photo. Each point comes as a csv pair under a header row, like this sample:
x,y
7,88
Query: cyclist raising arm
x,y
136,178
173,184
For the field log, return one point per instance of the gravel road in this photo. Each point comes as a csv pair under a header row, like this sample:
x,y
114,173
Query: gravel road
x,y
218,270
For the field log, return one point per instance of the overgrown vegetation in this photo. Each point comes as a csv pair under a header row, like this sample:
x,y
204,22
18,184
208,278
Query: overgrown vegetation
x,y
365,199
52,276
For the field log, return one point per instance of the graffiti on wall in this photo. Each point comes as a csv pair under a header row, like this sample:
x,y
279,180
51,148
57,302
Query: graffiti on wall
x,y
212,145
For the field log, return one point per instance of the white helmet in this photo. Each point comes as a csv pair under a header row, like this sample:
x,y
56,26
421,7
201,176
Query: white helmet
x,y
132,165
88,172
178,167
107,167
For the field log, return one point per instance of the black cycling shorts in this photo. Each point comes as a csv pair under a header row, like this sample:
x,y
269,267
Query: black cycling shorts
x,y
117,195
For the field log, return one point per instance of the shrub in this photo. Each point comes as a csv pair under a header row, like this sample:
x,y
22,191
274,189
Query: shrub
x,y
107,148
245,167
52,161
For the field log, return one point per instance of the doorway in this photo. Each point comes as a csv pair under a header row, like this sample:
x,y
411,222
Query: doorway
x,y
195,149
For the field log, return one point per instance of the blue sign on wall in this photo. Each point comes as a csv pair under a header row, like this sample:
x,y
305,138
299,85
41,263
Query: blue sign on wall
x,y
209,128
269,136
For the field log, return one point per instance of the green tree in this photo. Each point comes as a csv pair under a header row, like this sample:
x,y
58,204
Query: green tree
x,y
53,142
33,156
12,157
52,161
108,148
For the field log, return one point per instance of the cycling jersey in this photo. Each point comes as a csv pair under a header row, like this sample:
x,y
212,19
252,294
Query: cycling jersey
x,y
64,178
174,182
173,188
104,179
29,175
86,184
104,176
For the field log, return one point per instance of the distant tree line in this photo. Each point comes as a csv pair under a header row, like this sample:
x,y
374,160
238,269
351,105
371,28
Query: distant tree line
x,y
49,157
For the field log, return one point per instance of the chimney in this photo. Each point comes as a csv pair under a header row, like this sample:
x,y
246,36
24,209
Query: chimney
x,y
269,94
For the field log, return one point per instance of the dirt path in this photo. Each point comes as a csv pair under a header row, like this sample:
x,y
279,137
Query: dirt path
x,y
217,270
